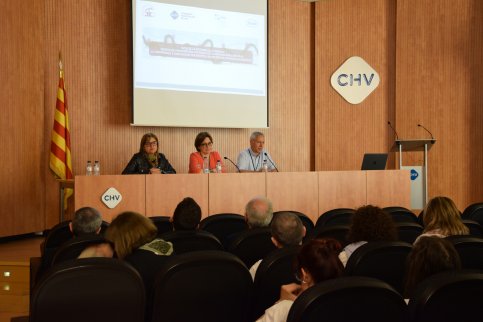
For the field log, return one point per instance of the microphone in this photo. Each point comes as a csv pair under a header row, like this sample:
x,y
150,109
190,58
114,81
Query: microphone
x,y
271,161
432,137
227,158
394,130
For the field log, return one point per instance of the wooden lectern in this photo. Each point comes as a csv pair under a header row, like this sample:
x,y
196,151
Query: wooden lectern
x,y
407,145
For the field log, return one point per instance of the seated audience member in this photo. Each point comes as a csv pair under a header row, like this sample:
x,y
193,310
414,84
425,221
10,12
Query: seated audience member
x,y
369,223
187,215
259,212
429,256
287,230
252,159
134,238
148,160
87,221
316,262
205,159
441,218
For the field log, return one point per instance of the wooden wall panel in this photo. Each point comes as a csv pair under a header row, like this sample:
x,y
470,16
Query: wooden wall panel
x,y
95,38
438,84
21,124
344,132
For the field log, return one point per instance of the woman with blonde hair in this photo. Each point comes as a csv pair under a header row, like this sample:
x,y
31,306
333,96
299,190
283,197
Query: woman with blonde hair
x,y
134,238
441,218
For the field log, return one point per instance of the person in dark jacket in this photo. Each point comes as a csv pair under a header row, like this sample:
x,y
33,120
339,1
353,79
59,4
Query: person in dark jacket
x,y
148,160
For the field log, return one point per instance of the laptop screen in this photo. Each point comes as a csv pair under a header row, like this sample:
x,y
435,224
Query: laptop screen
x,y
374,161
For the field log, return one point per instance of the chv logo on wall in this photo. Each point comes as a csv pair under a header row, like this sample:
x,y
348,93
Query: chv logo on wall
x,y
354,80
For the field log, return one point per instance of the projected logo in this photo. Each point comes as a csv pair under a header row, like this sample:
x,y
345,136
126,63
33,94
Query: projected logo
x,y
354,80
174,15
414,174
149,12
111,198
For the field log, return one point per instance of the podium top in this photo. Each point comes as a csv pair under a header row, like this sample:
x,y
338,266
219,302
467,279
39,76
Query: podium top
x,y
412,144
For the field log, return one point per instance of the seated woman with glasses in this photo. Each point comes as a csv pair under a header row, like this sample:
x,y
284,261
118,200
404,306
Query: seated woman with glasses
x,y
317,261
205,160
148,159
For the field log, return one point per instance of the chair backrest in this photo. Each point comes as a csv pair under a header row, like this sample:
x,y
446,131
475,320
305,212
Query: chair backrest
x,y
308,223
162,223
349,299
338,216
58,235
223,226
275,270
194,240
74,247
470,250
382,260
209,286
89,289
401,214
409,231
474,212
476,230
448,296
252,245
338,232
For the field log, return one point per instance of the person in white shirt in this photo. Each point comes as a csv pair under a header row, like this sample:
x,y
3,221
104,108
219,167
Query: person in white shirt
x,y
316,262
253,158
287,230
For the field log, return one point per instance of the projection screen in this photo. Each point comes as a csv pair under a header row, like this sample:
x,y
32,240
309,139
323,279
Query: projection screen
x,y
200,63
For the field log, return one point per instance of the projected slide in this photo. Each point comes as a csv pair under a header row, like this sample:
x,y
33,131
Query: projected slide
x,y
183,48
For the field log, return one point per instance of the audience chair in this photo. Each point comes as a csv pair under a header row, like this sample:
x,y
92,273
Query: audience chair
x,y
476,230
448,296
338,232
382,260
205,286
275,270
224,226
89,289
474,212
339,216
349,299
162,223
409,231
252,245
56,236
188,241
401,214
470,250
308,223
74,247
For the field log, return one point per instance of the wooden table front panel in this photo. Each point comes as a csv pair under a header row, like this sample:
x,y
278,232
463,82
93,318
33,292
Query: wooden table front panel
x,y
386,188
341,189
164,192
89,190
230,192
294,191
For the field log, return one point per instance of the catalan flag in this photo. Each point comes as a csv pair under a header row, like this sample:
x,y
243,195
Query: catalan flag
x,y
60,157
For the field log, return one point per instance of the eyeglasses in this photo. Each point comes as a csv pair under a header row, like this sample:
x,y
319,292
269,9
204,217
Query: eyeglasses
x,y
155,143
207,144
298,276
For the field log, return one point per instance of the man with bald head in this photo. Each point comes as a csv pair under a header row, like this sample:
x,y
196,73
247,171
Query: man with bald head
x,y
253,158
259,212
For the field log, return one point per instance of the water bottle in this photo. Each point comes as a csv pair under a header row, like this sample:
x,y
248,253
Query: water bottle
x,y
89,168
218,166
97,168
265,166
206,165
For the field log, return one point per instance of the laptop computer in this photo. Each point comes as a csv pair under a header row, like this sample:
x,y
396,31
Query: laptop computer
x,y
374,161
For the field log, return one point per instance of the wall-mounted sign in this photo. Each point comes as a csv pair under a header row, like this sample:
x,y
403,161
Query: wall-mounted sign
x,y
111,198
354,80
